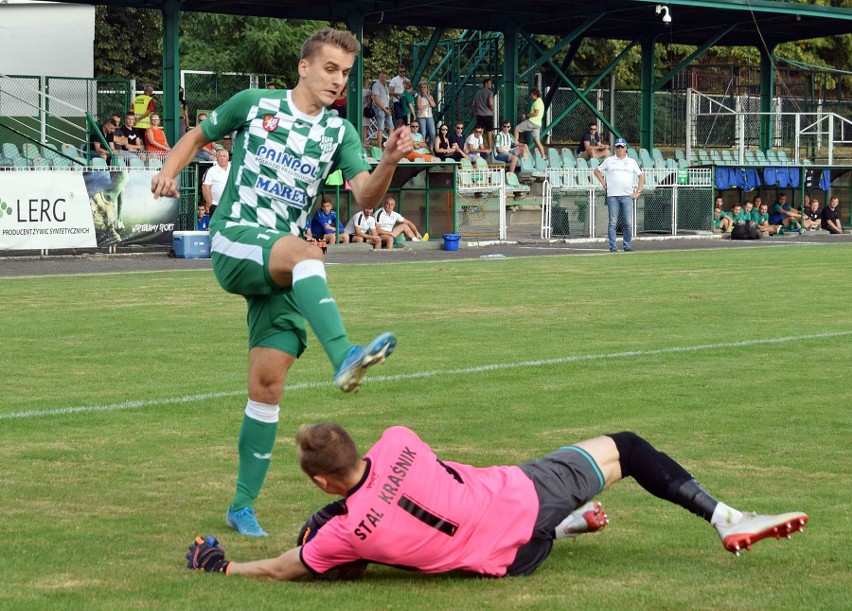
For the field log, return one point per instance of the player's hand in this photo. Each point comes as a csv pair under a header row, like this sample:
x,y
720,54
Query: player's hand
x,y
165,186
205,554
399,144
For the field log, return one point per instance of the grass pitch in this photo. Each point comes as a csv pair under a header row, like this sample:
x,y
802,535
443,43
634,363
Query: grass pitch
x,y
122,397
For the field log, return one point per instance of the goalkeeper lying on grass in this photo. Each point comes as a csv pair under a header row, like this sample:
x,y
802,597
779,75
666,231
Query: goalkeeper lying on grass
x,y
406,508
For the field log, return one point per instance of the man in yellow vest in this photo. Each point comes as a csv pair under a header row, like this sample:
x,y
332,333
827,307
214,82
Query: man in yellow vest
x,y
144,107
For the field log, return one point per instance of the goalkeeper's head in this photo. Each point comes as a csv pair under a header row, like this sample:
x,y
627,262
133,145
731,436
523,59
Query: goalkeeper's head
x,y
328,455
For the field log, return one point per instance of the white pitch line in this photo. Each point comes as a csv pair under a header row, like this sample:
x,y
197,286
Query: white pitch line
x,y
114,407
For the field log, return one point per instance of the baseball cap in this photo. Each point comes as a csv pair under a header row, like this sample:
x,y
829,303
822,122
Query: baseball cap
x,y
621,142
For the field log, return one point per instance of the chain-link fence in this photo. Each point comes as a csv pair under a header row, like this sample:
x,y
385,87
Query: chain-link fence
x,y
52,110
673,201
481,203
204,91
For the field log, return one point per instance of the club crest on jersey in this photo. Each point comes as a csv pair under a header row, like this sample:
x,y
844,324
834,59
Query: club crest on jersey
x,y
270,122
326,144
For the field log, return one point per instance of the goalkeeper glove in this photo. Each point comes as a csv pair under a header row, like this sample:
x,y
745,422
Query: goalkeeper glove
x,y
206,554
319,519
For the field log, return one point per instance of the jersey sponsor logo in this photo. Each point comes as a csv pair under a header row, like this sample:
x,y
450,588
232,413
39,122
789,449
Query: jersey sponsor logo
x,y
280,160
270,122
292,196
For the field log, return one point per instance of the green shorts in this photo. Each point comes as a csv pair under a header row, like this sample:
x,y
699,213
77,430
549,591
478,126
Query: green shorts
x,y
241,264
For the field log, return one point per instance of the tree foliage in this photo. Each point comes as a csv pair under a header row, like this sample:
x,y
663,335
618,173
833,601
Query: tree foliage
x,y
128,44
234,43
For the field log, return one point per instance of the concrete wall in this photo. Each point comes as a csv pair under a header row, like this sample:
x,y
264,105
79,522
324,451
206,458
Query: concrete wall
x,y
46,38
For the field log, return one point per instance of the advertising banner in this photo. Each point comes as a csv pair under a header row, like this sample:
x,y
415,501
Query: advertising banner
x,y
63,210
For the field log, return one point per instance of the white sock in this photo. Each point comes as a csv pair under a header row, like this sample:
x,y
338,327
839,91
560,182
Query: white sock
x,y
565,527
415,239
725,515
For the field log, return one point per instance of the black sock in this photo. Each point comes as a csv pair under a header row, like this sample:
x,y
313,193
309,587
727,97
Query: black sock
x,y
660,475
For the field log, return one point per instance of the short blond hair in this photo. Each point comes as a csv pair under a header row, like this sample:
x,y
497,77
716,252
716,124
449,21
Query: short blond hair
x,y
341,39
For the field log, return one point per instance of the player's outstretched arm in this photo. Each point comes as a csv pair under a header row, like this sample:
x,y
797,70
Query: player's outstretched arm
x,y
206,554
370,187
165,182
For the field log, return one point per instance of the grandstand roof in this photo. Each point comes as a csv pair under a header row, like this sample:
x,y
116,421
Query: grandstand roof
x,y
693,21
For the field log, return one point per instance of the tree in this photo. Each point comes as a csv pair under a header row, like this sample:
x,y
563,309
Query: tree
x,y
128,44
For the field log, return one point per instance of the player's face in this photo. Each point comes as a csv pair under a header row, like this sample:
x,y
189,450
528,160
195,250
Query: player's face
x,y
326,207
389,205
325,74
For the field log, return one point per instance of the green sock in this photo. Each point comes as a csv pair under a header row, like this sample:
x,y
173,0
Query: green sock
x,y
255,447
310,290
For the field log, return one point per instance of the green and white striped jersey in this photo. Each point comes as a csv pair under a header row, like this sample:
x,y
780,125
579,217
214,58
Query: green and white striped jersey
x,y
280,160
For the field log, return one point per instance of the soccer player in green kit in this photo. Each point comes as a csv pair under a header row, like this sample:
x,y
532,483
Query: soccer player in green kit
x,y
286,145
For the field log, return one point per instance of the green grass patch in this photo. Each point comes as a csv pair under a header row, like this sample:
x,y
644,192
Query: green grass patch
x,y
123,395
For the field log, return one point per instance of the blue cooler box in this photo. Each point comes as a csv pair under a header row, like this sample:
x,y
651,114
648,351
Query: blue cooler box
x,y
191,244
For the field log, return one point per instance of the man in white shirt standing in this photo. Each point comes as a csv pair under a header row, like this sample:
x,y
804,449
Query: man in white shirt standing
x,y
215,179
620,194
396,87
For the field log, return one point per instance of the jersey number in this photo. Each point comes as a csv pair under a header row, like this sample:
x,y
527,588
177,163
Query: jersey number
x,y
427,517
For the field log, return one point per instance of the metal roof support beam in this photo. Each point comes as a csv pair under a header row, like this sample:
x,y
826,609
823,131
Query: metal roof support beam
x,y
767,89
581,96
171,68
510,70
420,63
354,102
546,56
664,80
553,86
646,94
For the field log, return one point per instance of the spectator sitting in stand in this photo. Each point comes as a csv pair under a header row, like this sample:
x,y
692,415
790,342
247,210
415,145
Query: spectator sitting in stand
x,y
831,217
442,148
457,141
474,146
325,225
132,143
506,149
721,221
391,223
155,139
590,146
202,222
362,228
421,150
96,149
784,215
811,217
762,220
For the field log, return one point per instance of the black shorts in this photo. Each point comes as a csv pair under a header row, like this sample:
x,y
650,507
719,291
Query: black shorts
x,y
486,122
564,480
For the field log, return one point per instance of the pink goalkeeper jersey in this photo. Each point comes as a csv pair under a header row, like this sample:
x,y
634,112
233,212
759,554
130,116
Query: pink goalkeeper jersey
x,y
414,511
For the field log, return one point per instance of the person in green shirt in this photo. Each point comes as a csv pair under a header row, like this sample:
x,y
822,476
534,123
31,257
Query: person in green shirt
x,y
287,143
721,221
762,220
408,103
